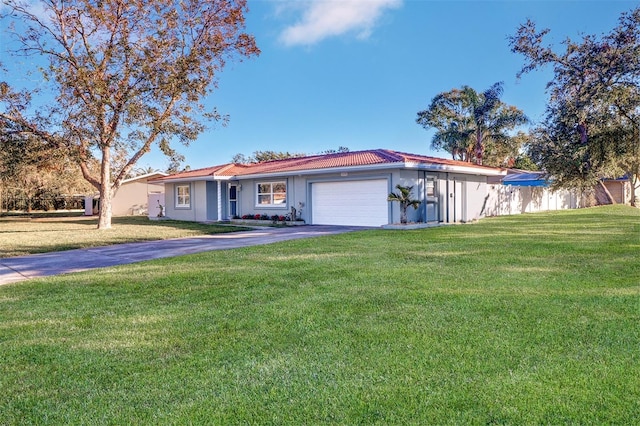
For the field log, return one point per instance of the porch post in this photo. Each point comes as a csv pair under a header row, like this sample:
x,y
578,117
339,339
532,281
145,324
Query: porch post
x,y
219,201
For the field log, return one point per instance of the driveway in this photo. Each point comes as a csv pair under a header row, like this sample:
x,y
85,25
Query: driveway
x,y
14,269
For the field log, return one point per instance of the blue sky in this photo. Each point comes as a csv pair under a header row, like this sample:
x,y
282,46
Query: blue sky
x,y
354,73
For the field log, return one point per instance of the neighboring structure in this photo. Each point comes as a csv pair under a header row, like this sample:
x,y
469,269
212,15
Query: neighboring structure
x,y
522,191
618,189
132,196
348,188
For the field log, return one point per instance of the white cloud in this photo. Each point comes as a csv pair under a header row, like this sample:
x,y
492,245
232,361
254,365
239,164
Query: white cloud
x,y
327,18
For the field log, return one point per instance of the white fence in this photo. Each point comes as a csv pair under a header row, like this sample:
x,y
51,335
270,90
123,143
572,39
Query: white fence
x,y
508,199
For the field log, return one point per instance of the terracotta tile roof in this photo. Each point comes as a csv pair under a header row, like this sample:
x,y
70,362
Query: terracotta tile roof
x,y
205,172
319,162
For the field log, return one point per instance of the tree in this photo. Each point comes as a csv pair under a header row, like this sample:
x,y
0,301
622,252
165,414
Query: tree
x,y
474,126
30,168
592,125
126,76
341,149
403,196
260,156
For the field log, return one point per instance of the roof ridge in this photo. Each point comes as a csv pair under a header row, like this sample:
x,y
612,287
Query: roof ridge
x,y
223,168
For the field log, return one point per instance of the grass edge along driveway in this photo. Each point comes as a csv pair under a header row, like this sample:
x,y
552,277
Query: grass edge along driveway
x,y
528,319
21,236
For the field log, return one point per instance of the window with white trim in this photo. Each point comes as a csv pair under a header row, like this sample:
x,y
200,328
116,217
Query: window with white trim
x,y
183,196
272,194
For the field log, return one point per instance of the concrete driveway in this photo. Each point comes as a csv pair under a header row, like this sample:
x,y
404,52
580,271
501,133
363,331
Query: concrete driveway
x,y
14,269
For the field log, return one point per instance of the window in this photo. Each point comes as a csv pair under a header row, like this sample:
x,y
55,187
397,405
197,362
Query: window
x,y
431,188
183,196
272,194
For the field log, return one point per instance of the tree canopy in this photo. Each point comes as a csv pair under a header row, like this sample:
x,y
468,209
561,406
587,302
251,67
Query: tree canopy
x,y
30,168
591,129
260,156
474,127
125,76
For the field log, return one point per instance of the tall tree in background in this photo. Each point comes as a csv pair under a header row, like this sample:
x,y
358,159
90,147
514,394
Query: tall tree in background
x,y
126,75
260,156
30,167
471,125
592,125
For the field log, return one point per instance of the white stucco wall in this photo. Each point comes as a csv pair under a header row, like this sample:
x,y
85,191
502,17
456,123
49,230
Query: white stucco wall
x,y
132,197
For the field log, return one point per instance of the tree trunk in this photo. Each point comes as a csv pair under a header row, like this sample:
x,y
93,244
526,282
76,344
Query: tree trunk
x,y
104,218
606,191
633,181
104,215
479,148
403,214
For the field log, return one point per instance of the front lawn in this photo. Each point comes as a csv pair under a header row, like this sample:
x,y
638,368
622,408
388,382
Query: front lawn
x,y
530,319
41,233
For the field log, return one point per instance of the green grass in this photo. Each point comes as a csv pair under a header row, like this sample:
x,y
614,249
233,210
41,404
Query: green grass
x,y
41,233
530,319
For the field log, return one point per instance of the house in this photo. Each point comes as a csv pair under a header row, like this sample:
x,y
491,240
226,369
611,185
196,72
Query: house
x,y
132,196
347,188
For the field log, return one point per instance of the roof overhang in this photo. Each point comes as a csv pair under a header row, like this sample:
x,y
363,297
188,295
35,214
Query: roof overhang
x,y
194,179
149,176
431,167
447,168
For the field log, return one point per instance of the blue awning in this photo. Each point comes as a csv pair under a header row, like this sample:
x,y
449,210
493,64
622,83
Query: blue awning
x,y
526,179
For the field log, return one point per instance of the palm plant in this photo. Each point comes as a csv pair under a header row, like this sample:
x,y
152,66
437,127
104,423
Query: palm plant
x,y
403,196
466,122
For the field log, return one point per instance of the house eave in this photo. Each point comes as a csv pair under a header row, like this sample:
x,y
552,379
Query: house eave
x,y
441,168
195,179
468,170
307,172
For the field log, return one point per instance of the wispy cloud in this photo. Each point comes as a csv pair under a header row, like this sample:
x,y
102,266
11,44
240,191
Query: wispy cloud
x,y
322,19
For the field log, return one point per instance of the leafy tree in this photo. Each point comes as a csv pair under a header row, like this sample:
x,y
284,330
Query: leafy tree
x,y
29,167
474,126
592,125
524,162
341,149
126,75
403,196
260,156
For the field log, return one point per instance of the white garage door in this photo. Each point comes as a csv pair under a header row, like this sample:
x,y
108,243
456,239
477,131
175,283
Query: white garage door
x,y
354,203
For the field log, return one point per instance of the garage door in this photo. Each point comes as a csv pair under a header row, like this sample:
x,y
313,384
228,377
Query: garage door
x,y
353,203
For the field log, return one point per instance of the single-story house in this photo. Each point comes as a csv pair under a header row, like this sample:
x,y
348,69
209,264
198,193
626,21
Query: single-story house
x,y
132,196
346,188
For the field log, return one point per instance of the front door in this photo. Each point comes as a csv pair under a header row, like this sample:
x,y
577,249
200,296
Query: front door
x,y
233,201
